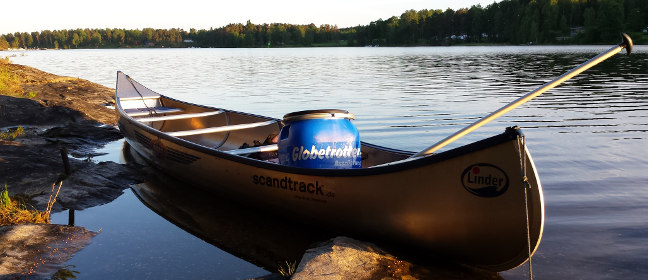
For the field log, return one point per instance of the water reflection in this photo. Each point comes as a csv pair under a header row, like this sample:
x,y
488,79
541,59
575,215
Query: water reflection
x,y
242,230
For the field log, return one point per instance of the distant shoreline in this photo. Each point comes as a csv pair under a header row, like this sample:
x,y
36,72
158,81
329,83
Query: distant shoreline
x,y
509,22
315,47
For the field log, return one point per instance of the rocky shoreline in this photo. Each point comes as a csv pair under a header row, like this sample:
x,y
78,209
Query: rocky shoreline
x,y
65,113
60,113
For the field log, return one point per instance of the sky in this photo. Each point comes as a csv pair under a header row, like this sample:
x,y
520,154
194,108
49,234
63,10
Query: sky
x,y
39,15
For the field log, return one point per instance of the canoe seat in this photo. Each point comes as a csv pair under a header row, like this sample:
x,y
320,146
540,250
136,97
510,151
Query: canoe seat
x,y
178,116
265,148
148,97
224,128
135,112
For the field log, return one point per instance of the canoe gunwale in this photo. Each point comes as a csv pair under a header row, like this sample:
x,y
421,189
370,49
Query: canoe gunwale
x,y
510,134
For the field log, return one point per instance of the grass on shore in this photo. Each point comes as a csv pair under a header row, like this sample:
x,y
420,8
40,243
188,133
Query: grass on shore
x,y
10,83
14,211
288,270
12,134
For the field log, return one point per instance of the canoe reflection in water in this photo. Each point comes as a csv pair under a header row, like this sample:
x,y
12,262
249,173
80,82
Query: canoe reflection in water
x,y
241,230
260,236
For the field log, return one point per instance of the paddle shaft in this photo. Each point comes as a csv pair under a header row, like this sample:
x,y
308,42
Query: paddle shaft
x,y
627,44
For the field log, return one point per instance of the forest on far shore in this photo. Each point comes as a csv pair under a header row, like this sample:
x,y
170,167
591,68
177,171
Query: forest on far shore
x,y
504,22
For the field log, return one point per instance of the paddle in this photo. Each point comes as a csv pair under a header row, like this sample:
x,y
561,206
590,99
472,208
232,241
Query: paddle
x,y
626,44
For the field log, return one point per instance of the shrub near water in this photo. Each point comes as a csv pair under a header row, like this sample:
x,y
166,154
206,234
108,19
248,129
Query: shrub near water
x,y
14,212
12,134
4,198
10,83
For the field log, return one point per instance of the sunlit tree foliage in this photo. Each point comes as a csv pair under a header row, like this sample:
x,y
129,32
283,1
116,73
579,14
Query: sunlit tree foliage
x,y
503,22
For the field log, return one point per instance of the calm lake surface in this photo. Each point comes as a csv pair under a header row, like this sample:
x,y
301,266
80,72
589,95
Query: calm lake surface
x,y
588,137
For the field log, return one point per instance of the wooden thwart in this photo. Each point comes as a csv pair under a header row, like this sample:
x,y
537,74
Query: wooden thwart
x,y
136,112
178,117
220,128
265,148
139,98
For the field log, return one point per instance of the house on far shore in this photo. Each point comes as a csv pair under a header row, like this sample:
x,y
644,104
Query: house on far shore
x,y
573,31
188,41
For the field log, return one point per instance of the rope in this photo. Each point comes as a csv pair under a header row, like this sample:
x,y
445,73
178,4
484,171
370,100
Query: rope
x,y
227,134
525,182
151,111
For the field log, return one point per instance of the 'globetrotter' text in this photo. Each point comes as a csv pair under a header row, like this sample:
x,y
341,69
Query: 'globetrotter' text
x,y
299,153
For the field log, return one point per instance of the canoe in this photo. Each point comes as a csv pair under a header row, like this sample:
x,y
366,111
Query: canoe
x,y
480,204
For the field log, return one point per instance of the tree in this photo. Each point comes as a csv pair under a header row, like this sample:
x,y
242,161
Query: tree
x,y
391,30
610,19
15,43
76,40
29,40
119,36
3,43
95,39
108,35
476,23
408,27
147,35
36,39
550,19
591,25
309,36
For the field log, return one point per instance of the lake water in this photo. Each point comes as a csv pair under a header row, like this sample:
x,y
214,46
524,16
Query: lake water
x,y
588,137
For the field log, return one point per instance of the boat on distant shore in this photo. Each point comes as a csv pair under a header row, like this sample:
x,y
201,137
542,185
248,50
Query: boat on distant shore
x,y
480,204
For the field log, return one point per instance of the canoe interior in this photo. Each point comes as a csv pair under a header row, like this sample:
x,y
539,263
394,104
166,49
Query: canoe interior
x,y
232,140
